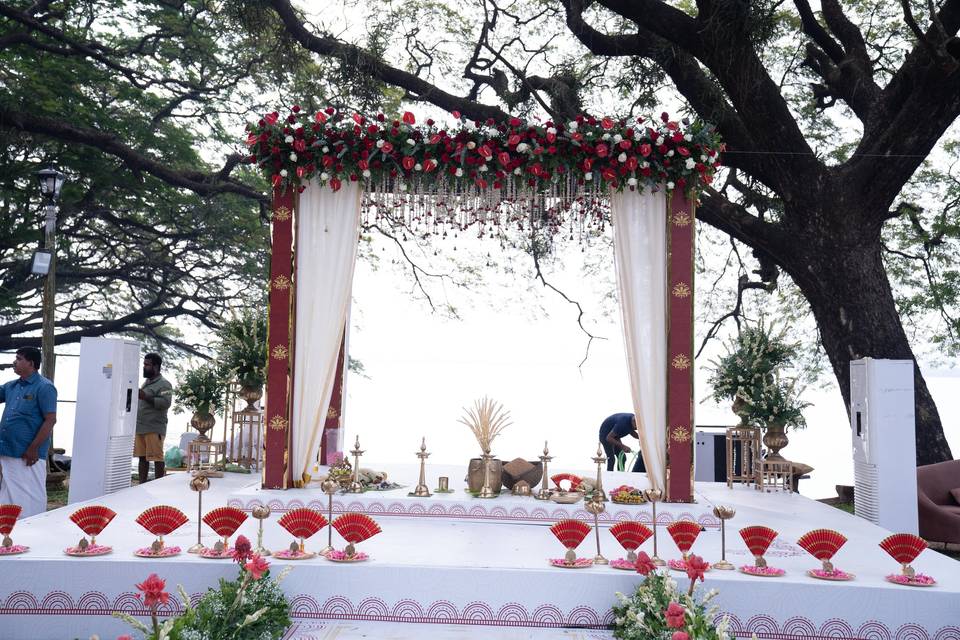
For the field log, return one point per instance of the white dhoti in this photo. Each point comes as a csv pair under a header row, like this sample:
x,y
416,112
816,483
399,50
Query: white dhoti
x,y
23,485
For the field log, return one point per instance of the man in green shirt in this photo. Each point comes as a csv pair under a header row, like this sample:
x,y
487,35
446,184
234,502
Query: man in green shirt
x,y
156,395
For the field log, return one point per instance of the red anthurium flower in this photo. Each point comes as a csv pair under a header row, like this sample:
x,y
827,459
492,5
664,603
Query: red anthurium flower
x,y
673,126
551,137
608,174
409,118
301,171
271,118
429,165
276,180
514,140
481,183
455,114
153,593
435,138
387,148
358,118
504,158
408,162
587,164
296,108
299,145
644,564
485,151
683,151
625,144
364,165
515,122
335,184
602,150
606,123
632,163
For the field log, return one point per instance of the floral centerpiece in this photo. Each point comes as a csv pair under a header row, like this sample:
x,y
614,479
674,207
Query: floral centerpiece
x,y
657,609
251,607
751,374
243,353
201,390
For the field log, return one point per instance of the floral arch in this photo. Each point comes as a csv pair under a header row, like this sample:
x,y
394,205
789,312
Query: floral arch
x,y
330,170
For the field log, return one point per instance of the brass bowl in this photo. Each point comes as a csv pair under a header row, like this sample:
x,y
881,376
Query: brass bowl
x,y
566,497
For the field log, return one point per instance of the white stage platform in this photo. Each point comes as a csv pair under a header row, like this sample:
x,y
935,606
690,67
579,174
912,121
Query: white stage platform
x,y
447,568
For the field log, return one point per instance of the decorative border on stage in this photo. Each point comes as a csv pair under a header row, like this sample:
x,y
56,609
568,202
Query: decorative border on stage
x,y
304,607
459,511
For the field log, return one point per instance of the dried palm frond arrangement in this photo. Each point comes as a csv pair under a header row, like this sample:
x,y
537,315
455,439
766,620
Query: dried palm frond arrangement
x,y
487,418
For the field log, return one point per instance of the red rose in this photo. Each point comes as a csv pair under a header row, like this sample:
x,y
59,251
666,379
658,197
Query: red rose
x,y
408,162
515,122
296,108
409,118
330,111
673,126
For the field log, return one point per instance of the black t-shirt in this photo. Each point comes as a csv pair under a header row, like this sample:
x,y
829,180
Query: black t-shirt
x,y
620,424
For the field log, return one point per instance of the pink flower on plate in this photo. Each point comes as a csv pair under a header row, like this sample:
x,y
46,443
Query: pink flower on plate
x,y
153,593
256,566
644,564
675,616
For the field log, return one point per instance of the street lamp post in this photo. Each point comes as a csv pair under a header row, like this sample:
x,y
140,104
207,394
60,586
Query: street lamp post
x,y
51,181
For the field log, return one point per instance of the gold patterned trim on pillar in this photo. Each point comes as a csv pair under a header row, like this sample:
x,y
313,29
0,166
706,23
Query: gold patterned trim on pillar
x,y
281,283
279,422
681,290
682,219
279,352
681,362
281,214
680,434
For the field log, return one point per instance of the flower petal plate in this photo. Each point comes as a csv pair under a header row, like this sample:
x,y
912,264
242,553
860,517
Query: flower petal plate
x,y
166,552
763,572
579,563
92,550
212,554
286,554
623,564
836,575
918,580
334,556
13,550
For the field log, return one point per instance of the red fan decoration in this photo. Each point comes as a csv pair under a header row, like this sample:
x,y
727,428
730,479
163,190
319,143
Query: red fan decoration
x,y
574,480
684,533
903,547
93,519
354,528
162,520
8,517
305,522
822,544
758,539
631,534
225,520
570,533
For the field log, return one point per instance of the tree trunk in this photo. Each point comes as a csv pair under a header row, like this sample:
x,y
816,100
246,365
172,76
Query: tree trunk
x,y
845,281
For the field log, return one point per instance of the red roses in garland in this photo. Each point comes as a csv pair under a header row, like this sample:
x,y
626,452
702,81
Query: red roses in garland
x,y
333,148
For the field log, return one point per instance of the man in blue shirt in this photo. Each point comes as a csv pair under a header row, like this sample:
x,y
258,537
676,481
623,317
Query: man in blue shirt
x,y
29,413
612,432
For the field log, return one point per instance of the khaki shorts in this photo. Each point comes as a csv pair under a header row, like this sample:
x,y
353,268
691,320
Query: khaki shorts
x,y
149,446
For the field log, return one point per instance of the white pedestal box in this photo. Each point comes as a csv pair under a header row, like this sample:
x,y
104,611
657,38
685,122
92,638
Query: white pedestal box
x,y
106,422
884,446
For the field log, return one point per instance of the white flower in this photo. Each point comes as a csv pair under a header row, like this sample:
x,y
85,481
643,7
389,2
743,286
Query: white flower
x,y
606,136
703,158
366,173
572,125
293,157
483,168
283,173
418,167
659,140
522,147
379,144
459,172
645,164
288,139
617,138
691,163
632,182
688,138
588,176
326,149
551,130
410,142
622,157
517,171
324,176
670,185
471,145
403,186
670,153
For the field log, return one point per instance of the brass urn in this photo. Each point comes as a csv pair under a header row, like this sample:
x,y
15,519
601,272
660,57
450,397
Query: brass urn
x,y
202,422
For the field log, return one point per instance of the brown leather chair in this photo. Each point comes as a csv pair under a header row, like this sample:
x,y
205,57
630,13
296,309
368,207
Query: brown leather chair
x,y
939,512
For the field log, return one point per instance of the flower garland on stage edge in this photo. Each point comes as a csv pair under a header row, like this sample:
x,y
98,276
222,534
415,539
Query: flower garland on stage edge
x,y
657,610
291,150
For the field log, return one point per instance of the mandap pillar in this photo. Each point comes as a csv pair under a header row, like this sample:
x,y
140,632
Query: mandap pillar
x,y
680,262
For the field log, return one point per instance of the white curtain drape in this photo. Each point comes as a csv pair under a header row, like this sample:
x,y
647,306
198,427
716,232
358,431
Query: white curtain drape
x,y
640,253
328,224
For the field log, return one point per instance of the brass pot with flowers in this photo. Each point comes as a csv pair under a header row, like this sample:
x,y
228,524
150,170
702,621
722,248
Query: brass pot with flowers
x,y
201,391
243,351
